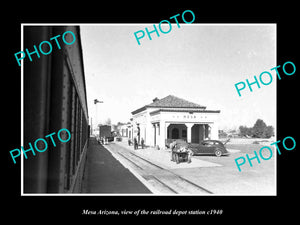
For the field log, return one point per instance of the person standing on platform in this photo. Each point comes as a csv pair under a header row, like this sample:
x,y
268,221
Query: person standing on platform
x,y
135,143
142,143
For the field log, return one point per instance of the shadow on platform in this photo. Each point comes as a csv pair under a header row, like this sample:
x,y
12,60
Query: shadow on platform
x,y
106,175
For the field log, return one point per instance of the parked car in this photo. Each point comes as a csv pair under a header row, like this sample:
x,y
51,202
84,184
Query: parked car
x,y
118,138
208,147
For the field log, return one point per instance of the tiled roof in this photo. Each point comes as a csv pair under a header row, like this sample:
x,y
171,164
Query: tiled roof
x,y
170,101
184,110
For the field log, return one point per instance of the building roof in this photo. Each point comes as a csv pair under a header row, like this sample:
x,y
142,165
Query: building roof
x,y
184,110
170,101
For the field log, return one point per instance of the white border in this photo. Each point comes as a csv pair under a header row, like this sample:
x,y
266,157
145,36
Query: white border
x,y
134,173
22,113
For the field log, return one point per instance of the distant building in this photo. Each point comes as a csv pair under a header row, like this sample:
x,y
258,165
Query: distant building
x,y
173,118
123,129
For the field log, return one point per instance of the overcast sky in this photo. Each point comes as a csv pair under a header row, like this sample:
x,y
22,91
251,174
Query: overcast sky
x,y
197,62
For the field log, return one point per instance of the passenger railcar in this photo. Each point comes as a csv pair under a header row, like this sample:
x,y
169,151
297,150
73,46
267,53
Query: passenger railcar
x,y
54,97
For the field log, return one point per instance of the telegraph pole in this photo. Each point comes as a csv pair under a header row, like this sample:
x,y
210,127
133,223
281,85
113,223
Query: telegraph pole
x,y
96,119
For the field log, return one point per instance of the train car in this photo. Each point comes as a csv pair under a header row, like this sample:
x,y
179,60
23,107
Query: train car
x,y
54,97
105,131
105,134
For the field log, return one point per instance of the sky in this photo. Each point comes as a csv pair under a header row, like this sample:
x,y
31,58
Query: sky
x,y
197,62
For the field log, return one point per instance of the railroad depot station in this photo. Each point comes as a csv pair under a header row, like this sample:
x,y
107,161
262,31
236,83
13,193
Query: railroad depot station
x,y
170,118
88,159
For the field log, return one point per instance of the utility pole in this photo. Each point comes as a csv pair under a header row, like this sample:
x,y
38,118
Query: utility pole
x,y
96,119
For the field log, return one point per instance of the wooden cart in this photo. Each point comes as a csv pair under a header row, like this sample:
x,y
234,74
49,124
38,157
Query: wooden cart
x,y
179,157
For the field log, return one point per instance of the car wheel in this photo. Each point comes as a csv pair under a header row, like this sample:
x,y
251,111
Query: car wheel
x,y
218,152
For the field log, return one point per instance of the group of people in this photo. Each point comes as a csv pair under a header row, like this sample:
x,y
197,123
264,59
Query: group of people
x,y
102,140
135,143
180,149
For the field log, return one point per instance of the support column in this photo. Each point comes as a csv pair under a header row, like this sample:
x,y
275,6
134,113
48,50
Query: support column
x,y
189,131
209,131
214,131
154,136
166,130
162,133
157,134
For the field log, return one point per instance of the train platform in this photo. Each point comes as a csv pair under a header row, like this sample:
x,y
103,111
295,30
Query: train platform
x,y
162,158
205,175
157,172
106,175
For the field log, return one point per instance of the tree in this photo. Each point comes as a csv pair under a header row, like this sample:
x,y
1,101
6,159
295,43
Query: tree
x,y
107,121
245,131
269,132
259,128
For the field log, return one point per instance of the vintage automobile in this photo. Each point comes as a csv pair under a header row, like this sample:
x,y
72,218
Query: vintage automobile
x,y
208,147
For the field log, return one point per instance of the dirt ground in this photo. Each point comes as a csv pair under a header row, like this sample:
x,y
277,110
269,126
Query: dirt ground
x,y
260,179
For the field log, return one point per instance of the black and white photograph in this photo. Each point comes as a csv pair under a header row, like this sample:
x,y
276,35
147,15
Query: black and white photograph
x,y
167,113
162,117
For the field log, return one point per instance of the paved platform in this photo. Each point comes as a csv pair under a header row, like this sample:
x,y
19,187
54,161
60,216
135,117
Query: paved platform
x,y
219,175
162,158
233,151
104,174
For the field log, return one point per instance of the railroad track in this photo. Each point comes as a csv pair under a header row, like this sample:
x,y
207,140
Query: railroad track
x,y
162,180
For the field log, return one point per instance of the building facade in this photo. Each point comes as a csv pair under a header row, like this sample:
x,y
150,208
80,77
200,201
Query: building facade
x,y
172,118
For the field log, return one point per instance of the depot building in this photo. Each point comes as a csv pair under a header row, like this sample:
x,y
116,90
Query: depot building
x,y
170,118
